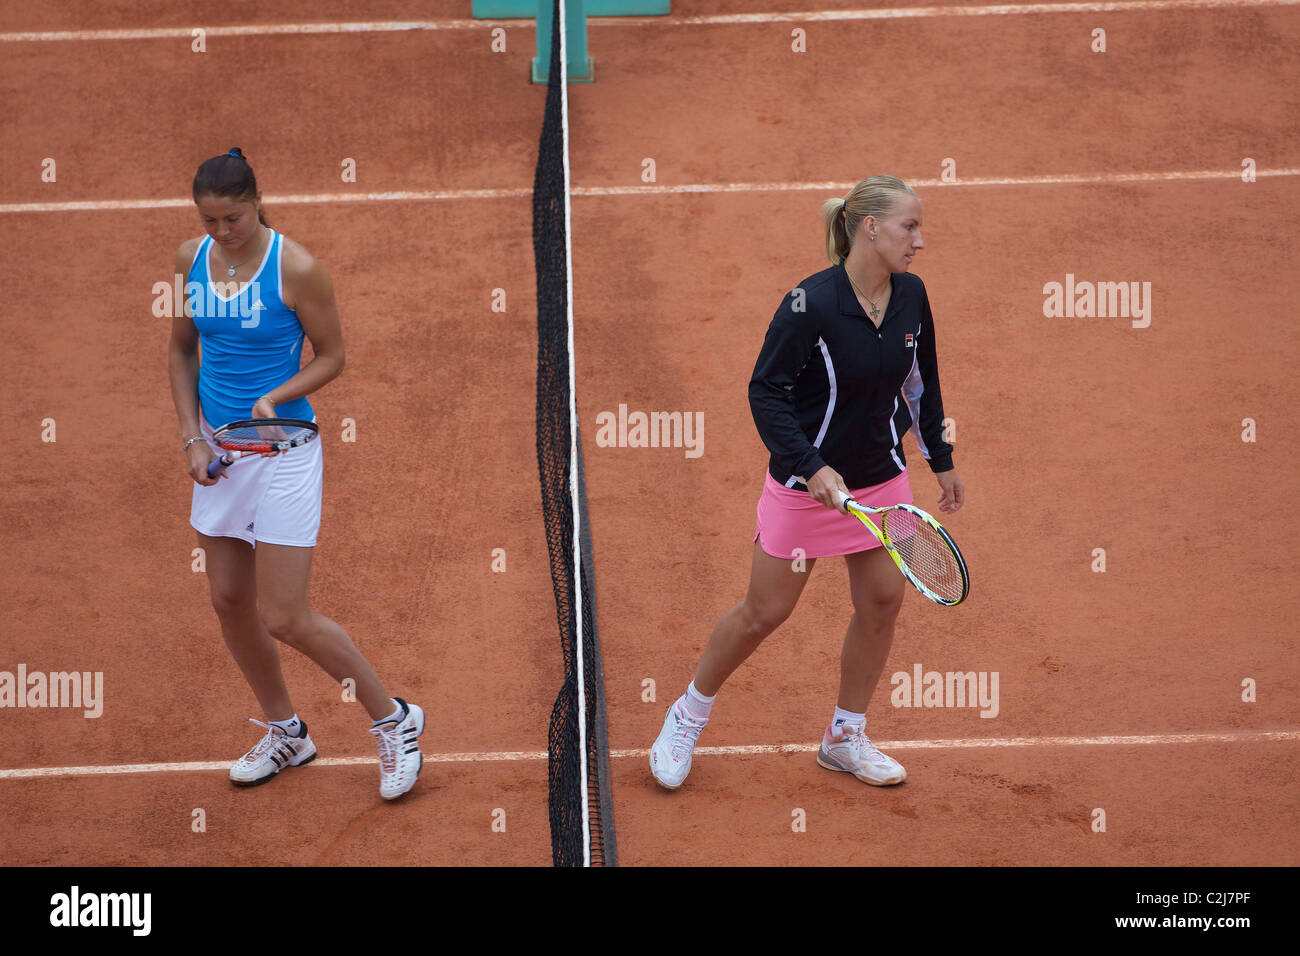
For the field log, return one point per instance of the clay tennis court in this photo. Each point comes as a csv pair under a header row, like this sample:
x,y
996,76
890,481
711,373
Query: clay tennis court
x,y
1119,691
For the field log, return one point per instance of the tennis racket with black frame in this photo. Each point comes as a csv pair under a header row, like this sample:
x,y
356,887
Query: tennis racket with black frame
x,y
919,545
256,436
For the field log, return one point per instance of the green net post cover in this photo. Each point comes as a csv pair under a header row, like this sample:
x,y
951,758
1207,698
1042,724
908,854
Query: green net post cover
x,y
580,68
527,9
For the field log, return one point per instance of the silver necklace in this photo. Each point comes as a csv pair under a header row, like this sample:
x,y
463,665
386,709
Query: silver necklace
x,y
875,309
230,270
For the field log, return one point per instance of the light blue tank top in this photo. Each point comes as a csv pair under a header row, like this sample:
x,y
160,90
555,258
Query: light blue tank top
x,y
250,342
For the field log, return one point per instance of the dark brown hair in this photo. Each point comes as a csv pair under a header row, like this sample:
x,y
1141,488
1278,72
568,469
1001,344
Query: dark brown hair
x,y
229,176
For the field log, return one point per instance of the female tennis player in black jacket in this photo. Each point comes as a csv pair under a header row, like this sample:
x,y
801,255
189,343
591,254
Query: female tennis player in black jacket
x,y
847,368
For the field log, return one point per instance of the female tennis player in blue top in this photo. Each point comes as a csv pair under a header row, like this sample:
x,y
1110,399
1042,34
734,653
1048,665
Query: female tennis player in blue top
x,y
252,297
847,367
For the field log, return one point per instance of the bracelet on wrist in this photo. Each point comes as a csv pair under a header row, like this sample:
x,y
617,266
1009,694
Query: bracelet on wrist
x,y
191,442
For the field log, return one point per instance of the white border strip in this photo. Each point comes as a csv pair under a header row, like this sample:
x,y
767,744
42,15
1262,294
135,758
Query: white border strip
x,y
933,13
1066,179
204,765
259,30
1003,742
1062,179
1258,736
295,199
573,439
810,16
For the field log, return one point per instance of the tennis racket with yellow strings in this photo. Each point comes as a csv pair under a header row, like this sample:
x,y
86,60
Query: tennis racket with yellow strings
x,y
922,549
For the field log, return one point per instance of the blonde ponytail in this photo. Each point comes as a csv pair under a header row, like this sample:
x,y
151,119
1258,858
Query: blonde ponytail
x,y
874,196
837,237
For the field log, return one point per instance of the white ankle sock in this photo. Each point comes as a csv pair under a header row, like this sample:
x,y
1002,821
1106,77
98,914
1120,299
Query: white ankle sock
x,y
845,718
292,727
696,704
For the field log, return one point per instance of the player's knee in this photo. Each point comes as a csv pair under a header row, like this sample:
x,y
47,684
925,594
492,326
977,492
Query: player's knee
x,y
879,606
286,626
760,620
231,602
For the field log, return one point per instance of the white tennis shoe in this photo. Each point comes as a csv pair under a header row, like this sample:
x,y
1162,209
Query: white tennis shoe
x,y
853,752
400,759
275,751
670,757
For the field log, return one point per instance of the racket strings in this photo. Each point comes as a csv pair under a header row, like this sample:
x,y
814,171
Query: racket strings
x,y
925,552
261,437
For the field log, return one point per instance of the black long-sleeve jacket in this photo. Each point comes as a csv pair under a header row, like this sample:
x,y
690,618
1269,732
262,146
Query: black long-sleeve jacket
x,y
829,388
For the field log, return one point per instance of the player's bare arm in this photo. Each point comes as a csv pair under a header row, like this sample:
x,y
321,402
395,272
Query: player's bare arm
x,y
183,365
309,291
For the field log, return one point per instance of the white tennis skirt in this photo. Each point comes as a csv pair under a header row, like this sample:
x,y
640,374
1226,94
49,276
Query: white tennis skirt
x,y
275,500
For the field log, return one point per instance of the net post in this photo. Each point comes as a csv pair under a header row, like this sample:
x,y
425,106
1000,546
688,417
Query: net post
x,y
580,67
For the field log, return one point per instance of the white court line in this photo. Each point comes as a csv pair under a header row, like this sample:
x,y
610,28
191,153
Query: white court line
x,y
931,13
741,750
975,742
197,765
810,16
1064,179
258,30
426,195
418,195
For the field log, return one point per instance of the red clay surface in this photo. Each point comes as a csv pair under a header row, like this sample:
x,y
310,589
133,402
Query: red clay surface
x,y
1072,434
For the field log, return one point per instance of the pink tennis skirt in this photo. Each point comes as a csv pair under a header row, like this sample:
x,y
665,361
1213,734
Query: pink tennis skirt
x,y
789,519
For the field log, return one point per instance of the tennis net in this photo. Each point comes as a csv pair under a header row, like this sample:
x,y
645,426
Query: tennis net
x,y
581,811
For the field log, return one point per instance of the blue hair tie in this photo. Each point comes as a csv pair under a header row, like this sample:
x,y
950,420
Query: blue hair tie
x,y
234,154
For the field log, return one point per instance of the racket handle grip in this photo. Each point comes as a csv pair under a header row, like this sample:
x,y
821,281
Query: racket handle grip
x,y
218,465
843,498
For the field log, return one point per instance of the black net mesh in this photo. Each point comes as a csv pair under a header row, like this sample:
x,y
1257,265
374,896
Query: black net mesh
x,y
566,759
